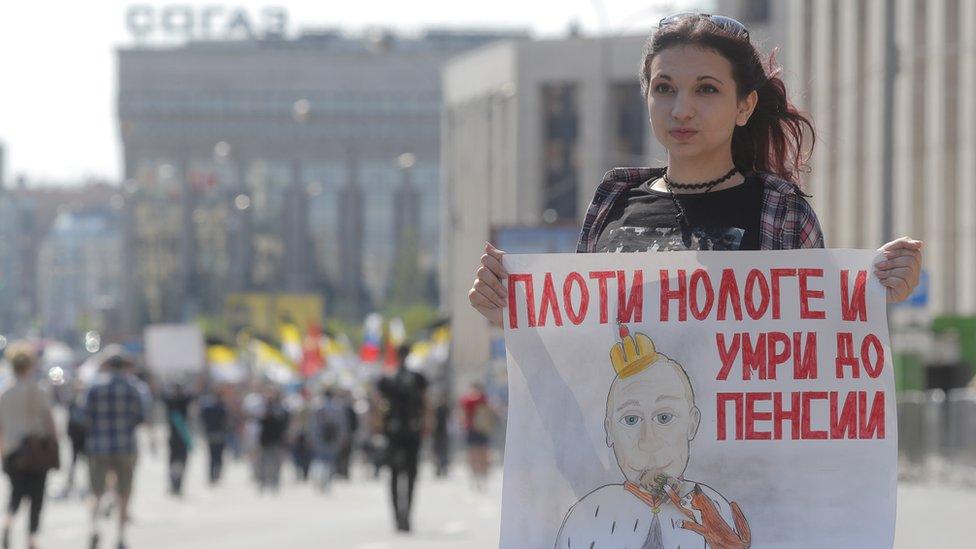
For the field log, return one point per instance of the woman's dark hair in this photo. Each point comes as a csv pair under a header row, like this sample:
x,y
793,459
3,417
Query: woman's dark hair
x,y
772,140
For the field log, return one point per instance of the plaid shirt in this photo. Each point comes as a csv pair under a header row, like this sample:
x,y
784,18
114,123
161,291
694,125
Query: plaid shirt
x,y
114,406
786,221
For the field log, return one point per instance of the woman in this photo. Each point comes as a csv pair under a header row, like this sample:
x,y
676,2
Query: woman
x,y
25,410
735,150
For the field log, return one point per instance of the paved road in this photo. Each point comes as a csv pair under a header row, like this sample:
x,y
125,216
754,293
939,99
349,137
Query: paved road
x,y
449,513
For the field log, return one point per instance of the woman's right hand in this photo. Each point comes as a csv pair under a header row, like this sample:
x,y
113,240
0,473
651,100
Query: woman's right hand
x,y
488,294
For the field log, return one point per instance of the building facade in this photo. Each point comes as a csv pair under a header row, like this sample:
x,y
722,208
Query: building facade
x,y
80,273
529,129
835,57
271,165
27,214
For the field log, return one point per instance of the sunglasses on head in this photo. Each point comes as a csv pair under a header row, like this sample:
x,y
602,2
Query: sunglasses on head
x,y
727,24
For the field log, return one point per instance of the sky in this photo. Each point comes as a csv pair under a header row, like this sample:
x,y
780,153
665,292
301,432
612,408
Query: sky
x,y
57,63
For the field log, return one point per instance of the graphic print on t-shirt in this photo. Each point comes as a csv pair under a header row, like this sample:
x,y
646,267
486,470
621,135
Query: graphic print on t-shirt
x,y
669,239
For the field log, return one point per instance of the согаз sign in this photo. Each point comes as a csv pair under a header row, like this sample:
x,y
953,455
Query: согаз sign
x,y
205,23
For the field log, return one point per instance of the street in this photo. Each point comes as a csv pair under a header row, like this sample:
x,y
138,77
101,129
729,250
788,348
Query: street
x,y
356,515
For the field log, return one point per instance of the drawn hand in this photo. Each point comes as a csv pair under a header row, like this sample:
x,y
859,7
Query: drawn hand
x,y
717,533
901,268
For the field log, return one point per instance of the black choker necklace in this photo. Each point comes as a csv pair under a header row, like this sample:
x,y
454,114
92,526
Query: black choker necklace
x,y
681,217
695,186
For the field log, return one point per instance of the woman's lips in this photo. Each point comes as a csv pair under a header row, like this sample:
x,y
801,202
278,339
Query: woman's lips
x,y
683,135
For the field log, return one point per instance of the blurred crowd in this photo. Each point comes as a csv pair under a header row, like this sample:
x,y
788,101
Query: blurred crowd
x,y
317,429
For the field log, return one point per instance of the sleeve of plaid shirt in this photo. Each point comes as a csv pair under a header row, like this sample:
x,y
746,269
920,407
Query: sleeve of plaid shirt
x,y
808,233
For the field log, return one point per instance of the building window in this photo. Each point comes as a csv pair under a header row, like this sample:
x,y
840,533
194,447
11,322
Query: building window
x,y
630,125
561,161
755,11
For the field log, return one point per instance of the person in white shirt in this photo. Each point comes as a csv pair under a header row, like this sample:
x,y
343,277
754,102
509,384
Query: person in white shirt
x,y
24,410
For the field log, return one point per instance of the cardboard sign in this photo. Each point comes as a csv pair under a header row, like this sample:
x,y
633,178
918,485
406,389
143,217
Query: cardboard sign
x,y
698,399
174,349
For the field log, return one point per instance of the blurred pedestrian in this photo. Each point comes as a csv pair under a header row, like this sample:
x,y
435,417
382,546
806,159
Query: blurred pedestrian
x,y
403,402
116,404
272,442
253,406
214,417
177,402
300,437
349,441
77,433
329,433
28,441
479,423
441,439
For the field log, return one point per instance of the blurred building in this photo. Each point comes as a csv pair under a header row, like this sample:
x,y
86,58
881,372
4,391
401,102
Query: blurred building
x,y
529,129
14,311
273,165
80,269
27,213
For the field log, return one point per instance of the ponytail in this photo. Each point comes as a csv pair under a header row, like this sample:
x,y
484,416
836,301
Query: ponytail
x,y
773,139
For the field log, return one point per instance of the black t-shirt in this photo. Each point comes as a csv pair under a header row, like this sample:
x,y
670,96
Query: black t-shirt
x,y
274,426
644,219
404,394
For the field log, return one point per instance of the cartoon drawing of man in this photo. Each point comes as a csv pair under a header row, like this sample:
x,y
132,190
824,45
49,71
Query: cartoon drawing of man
x,y
651,419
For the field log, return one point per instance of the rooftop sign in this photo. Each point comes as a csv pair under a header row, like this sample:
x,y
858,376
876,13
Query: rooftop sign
x,y
184,22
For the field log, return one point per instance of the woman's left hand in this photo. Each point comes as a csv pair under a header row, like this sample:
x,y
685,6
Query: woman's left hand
x,y
900,270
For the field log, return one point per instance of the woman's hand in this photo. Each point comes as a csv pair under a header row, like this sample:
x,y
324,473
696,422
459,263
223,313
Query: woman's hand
x,y
488,294
900,270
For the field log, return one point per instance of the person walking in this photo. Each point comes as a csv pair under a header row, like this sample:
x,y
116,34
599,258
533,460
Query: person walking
x,y
479,423
349,441
272,441
214,417
77,433
177,403
300,436
441,436
403,400
28,441
328,433
116,404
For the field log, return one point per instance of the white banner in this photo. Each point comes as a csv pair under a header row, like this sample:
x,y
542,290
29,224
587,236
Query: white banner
x,y
174,349
698,399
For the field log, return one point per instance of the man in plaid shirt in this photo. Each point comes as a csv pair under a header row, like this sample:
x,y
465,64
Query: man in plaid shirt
x,y
115,405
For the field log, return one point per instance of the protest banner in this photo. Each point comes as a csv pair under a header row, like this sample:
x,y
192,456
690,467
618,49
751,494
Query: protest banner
x,y
698,399
173,350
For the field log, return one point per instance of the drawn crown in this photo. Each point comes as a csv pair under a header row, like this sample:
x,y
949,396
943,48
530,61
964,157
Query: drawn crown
x,y
633,353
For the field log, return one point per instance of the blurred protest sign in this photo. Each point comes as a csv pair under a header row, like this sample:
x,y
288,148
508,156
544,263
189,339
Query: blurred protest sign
x,y
174,349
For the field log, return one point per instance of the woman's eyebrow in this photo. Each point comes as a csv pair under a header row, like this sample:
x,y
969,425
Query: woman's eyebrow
x,y
700,78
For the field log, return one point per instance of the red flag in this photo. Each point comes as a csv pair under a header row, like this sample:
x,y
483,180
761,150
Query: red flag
x,y
312,359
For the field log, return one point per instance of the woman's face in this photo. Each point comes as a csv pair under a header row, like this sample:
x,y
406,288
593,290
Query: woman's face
x,y
692,89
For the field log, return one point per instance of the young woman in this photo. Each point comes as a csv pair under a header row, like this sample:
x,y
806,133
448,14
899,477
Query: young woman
x,y
735,148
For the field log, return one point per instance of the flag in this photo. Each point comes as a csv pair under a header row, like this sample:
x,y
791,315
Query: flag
x,y
313,358
291,341
372,336
396,335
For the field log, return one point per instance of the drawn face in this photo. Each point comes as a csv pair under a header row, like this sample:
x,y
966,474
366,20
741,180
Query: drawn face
x,y
651,420
692,88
